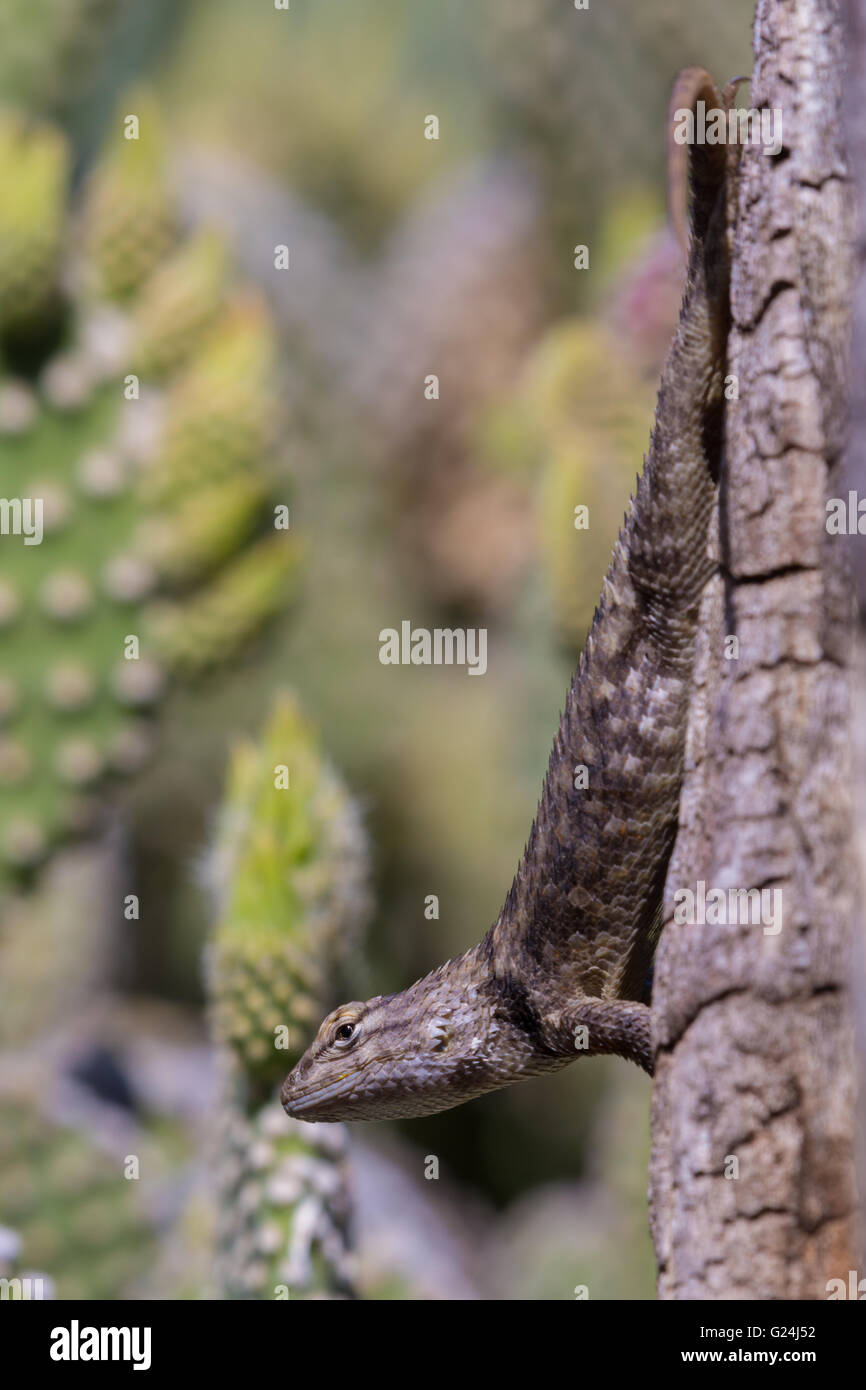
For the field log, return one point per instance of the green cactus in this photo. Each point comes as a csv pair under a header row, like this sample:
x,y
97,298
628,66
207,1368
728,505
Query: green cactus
x,y
129,216
180,300
289,867
147,435
218,414
34,161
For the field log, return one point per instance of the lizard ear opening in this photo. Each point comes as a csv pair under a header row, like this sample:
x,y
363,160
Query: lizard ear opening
x,y
439,1033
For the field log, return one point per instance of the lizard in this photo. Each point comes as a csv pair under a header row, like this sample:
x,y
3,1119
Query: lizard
x,y
565,970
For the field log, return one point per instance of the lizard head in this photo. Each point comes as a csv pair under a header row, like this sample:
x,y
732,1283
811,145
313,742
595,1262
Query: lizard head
x,y
434,1046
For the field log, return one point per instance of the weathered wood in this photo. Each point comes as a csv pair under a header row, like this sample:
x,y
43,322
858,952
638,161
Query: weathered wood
x,y
855,131
753,1029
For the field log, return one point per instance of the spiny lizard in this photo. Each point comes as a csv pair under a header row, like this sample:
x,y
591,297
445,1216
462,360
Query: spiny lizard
x,y
565,970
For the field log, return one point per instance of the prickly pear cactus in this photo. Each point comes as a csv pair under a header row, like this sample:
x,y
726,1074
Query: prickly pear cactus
x,y
140,536
289,867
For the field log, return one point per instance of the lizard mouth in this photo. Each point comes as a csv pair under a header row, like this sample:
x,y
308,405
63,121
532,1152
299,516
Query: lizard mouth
x,y
309,1105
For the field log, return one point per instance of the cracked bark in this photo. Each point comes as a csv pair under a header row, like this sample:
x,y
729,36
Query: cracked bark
x,y
753,1030
855,111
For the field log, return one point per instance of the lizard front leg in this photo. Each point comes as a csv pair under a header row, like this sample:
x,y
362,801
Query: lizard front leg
x,y
589,1027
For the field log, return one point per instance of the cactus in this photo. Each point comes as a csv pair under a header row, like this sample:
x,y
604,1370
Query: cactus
x,y
129,215
180,300
289,870
284,1207
31,224
156,498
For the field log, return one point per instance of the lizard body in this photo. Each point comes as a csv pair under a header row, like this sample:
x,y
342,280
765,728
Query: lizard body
x,y
565,969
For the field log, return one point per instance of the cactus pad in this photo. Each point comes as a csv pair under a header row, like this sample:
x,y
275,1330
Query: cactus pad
x,y
145,433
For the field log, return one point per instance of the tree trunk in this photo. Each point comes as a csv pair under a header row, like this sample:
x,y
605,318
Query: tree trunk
x,y
855,112
752,1177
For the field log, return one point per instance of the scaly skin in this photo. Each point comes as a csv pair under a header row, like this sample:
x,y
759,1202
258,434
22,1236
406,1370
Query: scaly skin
x,y
565,970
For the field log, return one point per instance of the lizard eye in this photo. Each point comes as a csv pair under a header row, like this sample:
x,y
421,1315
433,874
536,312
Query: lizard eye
x,y
345,1034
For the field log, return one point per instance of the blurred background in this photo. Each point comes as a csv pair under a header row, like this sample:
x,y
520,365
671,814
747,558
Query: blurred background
x,y
240,471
